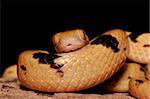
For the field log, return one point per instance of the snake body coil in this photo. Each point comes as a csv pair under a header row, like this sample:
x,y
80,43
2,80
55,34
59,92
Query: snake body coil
x,y
77,70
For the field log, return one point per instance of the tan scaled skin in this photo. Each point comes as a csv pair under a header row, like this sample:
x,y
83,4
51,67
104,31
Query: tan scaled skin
x,y
10,74
120,81
77,38
140,51
70,40
140,86
137,53
82,69
147,68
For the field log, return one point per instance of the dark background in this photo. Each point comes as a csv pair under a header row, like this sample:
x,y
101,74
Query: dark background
x,y
30,25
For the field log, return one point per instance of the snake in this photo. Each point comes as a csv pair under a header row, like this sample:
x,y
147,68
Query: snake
x,y
134,77
76,70
72,41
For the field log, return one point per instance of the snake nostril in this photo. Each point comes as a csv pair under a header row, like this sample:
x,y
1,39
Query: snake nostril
x,y
69,44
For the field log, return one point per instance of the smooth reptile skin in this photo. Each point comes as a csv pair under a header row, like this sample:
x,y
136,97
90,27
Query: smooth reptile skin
x,y
81,69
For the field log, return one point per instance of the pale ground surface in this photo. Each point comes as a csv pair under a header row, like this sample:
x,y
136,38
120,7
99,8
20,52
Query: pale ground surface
x,y
13,90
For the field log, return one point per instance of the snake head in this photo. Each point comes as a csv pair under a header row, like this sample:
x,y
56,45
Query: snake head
x,y
70,40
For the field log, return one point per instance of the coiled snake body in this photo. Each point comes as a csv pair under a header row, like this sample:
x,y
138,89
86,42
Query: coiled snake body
x,y
77,70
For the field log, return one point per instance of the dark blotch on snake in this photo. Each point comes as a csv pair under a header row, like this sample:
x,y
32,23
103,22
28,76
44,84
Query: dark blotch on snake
x,y
108,41
146,45
134,35
23,67
56,66
45,58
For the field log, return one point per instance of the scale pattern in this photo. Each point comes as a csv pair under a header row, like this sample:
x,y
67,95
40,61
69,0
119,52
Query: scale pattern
x,y
140,51
81,69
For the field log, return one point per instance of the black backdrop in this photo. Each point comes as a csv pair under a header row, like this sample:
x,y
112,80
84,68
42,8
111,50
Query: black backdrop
x,y
27,25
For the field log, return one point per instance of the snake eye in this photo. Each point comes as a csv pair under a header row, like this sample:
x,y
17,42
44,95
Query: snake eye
x,y
81,34
138,82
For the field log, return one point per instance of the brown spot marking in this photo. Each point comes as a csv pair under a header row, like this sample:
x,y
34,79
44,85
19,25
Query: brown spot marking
x,y
60,73
23,67
5,86
124,49
108,41
10,72
56,66
129,77
45,58
69,44
146,78
146,45
134,35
